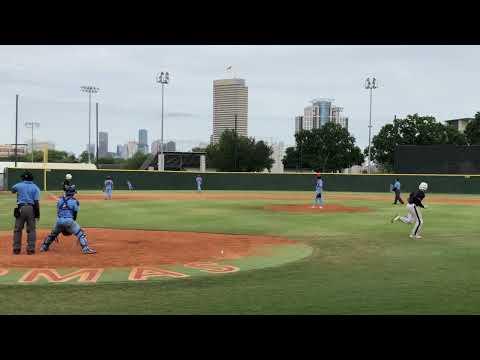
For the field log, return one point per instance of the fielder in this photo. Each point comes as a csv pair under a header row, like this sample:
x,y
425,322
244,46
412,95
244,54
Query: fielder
x,y
199,182
414,214
318,200
67,211
129,184
108,188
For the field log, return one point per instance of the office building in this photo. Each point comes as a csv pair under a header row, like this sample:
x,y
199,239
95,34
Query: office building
x,y
459,124
102,144
143,141
318,114
169,146
230,107
132,148
7,150
39,145
92,148
122,151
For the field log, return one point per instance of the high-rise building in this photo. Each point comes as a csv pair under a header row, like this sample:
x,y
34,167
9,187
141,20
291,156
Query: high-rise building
x,y
169,146
132,148
122,151
143,141
318,114
92,148
102,144
230,107
298,123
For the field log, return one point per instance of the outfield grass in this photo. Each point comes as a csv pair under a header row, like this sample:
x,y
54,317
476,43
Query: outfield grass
x,y
361,263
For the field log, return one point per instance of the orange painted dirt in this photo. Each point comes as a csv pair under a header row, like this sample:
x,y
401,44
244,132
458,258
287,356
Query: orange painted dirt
x,y
124,248
266,196
308,209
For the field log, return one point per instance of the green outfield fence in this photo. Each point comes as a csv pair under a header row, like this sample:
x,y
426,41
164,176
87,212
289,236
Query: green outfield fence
x,y
172,180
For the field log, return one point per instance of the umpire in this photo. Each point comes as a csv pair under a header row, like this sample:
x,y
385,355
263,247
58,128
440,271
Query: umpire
x,y
396,189
27,211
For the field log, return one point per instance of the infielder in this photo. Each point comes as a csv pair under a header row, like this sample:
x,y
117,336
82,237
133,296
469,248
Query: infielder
x,y
199,182
67,211
414,214
108,188
318,200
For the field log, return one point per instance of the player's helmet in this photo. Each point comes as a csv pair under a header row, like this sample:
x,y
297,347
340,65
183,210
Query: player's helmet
x,y
68,176
27,176
109,178
423,186
70,191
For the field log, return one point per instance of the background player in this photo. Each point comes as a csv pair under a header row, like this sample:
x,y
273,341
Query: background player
x,y
67,182
414,214
67,211
318,200
108,188
396,189
199,182
129,184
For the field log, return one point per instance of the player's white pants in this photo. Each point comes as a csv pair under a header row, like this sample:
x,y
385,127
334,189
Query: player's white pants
x,y
414,215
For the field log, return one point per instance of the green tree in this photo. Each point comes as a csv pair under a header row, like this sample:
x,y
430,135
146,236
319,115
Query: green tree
x,y
239,153
329,148
472,131
412,130
136,161
83,158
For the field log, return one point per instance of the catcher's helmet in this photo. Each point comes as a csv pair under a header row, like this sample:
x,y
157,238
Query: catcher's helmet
x,y
27,176
70,191
423,186
68,176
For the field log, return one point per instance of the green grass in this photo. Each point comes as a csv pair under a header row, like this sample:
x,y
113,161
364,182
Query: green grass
x,y
361,263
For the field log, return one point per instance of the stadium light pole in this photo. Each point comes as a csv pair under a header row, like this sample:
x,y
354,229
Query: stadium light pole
x,y
32,125
16,129
370,84
89,90
164,79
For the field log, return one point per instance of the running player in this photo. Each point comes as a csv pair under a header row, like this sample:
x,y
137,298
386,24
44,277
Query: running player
x,y
414,214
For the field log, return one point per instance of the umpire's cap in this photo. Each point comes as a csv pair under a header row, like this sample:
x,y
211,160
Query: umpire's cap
x,y
27,176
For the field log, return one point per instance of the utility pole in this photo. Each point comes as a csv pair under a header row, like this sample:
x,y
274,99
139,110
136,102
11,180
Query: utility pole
x,y
163,79
370,85
16,130
96,152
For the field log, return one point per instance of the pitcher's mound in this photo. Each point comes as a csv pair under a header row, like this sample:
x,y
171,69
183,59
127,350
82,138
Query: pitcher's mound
x,y
316,210
125,248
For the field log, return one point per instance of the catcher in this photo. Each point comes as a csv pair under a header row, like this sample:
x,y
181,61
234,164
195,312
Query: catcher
x,y
67,211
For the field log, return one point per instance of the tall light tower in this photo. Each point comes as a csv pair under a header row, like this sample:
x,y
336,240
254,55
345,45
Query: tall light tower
x,y
32,125
90,90
370,84
163,79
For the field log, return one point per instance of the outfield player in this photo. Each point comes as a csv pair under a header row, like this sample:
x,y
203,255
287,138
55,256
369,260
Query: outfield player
x,y
129,184
67,211
318,200
199,182
108,188
414,214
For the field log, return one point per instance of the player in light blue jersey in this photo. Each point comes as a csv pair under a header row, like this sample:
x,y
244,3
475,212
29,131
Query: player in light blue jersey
x,y
108,188
318,200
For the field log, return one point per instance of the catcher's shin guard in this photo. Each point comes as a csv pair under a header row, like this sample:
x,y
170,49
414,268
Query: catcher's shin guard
x,y
47,242
82,238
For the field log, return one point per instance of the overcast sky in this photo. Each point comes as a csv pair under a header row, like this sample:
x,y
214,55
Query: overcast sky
x,y
442,81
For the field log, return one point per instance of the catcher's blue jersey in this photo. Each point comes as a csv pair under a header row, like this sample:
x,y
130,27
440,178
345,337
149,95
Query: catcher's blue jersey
x,y
66,207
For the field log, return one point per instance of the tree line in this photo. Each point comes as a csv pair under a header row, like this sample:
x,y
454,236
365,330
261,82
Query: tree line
x,y
419,130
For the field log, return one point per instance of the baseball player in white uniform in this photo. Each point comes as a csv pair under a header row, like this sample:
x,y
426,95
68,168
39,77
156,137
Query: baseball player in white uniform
x,y
414,214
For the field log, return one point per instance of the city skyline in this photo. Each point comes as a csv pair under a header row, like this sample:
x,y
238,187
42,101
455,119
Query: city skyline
x,y
429,80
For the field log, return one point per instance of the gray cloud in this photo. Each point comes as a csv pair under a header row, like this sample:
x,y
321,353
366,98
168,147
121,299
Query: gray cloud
x,y
437,80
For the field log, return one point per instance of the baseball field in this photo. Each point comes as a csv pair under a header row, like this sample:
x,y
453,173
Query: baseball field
x,y
224,252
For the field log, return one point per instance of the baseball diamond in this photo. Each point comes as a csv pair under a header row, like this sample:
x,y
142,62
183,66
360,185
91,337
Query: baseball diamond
x,y
245,252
